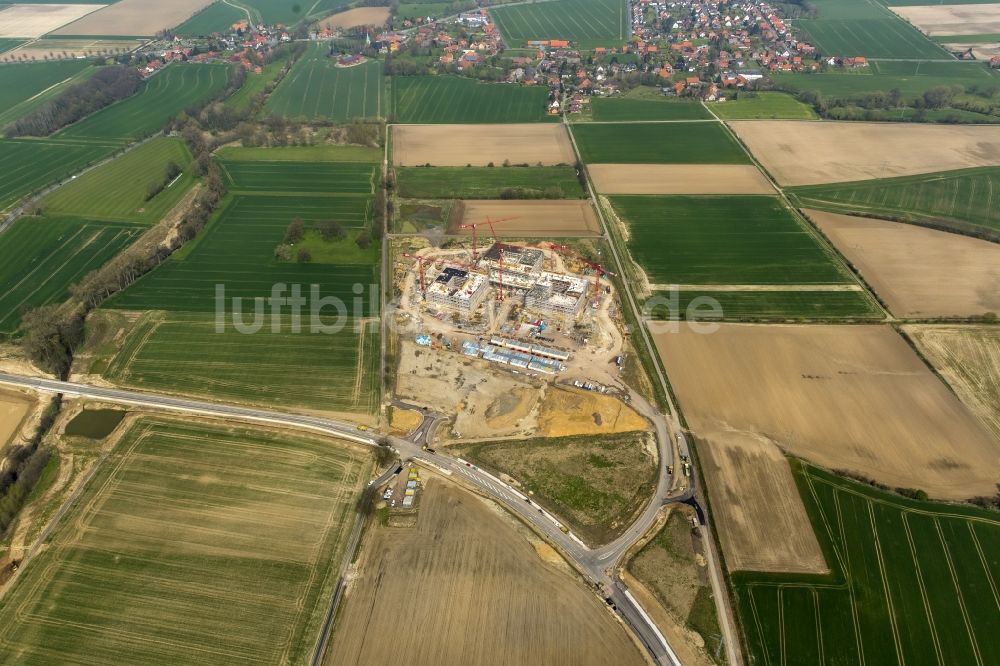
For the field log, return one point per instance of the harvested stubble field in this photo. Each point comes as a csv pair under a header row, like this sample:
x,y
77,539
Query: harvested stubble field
x,y
953,19
763,525
958,199
41,257
190,532
831,149
29,165
14,409
658,143
162,96
317,88
532,219
487,183
912,583
469,585
589,23
480,145
679,179
918,272
598,484
968,357
117,191
135,18
455,99
371,16
35,20
846,397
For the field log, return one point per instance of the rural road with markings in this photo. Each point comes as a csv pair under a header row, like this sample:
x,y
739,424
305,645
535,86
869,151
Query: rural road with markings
x,y
595,563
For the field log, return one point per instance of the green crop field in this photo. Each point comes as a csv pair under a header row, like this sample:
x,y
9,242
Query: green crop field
x,y
162,96
738,240
763,305
320,153
217,17
764,105
289,13
19,83
6,44
179,346
317,88
413,11
912,582
192,543
588,22
29,165
486,182
614,109
255,85
866,28
453,99
910,78
960,199
117,190
41,257
658,143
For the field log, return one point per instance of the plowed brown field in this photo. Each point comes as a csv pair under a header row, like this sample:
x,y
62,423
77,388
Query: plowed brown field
x,y
532,219
478,145
679,179
135,18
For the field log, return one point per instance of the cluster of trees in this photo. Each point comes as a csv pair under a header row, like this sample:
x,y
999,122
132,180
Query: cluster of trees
x,y
173,170
875,105
329,230
23,466
550,192
104,88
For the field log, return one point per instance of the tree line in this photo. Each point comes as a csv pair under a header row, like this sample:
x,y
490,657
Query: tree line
x,y
23,466
104,88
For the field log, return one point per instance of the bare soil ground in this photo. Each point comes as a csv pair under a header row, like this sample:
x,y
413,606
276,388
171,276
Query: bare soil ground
x,y
466,587
14,410
982,50
918,272
37,20
532,219
763,523
953,19
353,17
458,145
968,357
846,397
135,17
812,152
679,179
567,411
405,421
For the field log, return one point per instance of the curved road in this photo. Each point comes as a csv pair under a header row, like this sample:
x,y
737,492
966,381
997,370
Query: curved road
x,y
596,564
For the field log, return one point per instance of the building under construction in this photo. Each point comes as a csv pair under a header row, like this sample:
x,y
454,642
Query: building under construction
x,y
458,289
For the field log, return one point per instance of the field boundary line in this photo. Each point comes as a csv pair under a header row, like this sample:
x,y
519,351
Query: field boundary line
x,y
819,626
885,584
923,588
982,560
958,593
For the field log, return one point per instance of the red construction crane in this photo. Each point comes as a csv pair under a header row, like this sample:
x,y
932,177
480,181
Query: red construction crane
x,y
420,269
500,293
599,270
475,236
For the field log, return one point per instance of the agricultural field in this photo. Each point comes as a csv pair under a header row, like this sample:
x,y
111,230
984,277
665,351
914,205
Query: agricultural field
x,y
55,49
15,408
962,200
431,581
454,99
134,18
658,143
29,165
968,19
217,17
917,272
162,97
530,219
616,109
968,357
367,16
838,302
255,85
481,145
7,43
20,83
912,582
281,11
830,149
738,240
679,179
318,178
487,183
118,190
763,105
845,397
596,484
33,20
588,23
40,257
415,10
762,523
318,153
182,524
862,28
317,88
910,78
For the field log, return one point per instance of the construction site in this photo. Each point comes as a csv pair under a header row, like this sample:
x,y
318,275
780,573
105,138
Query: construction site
x,y
507,320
